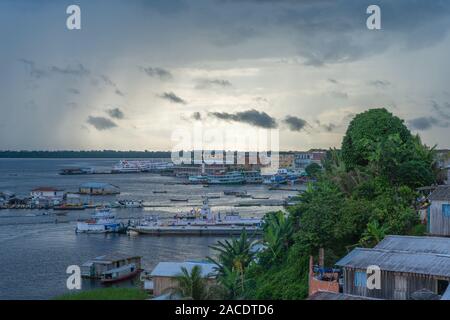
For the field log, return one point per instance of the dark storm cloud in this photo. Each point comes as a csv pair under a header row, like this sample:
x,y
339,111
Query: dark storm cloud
x,y
295,123
253,117
196,116
156,72
115,113
172,97
209,83
422,123
101,123
329,32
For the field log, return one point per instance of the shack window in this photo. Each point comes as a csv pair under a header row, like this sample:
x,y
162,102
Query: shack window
x,y
446,210
360,279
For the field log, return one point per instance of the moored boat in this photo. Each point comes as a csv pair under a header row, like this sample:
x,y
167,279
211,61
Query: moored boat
x,y
102,221
200,222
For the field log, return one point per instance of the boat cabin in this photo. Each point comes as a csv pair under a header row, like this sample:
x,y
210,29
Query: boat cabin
x,y
107,264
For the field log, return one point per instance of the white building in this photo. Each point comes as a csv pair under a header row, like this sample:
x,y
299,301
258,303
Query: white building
x,y
47,192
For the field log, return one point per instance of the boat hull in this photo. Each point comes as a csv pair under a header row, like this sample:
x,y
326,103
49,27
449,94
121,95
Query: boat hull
x,y
121,278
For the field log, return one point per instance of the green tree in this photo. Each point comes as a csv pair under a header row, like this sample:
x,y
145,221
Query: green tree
x,y
313,170
191,285
278,231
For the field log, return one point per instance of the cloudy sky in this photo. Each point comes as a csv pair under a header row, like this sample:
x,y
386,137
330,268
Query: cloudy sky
x,y
140,69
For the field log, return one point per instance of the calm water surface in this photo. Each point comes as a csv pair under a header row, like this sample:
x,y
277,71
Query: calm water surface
x,y
35,251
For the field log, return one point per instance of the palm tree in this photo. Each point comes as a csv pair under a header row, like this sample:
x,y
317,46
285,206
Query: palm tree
x,y
191,285
278,230
373,234
232,260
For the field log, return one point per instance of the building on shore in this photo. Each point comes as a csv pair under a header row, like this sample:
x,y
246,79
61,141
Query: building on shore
x,y
304,159
47,192
164,275
408,267
438,212
97,188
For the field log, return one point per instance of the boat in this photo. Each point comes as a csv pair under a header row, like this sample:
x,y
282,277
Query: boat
x,y
135,166
159,191
76,171
260,198
252,177
179,199
119,274
199,179
234,193
66,206
200,222
130,203
233,177
111,268
102,221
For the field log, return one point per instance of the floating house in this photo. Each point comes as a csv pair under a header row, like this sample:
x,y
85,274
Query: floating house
x,y
438,212
408,265
165,273
97,188
100,266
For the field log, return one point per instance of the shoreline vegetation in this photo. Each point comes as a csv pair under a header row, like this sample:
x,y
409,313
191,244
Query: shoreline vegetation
x,y
106,294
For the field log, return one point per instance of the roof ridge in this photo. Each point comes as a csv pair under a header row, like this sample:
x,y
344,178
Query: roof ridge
x,y
404,251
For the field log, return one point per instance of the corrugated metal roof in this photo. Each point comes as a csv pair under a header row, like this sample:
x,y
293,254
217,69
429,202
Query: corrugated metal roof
x,y
173,269
113,257
442,193
398,261
438,245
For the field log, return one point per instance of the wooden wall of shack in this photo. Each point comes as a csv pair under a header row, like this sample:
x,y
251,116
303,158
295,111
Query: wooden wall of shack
x,y
414,282
438,223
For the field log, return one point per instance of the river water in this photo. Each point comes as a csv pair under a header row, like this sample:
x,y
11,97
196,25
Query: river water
x,y
36,249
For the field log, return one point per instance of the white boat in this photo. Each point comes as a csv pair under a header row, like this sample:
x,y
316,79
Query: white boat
x,y
200,222
130,203
134,166
234,177
102,221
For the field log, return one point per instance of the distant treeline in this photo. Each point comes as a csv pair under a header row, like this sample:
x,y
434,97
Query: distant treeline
x,y
92,154
85,154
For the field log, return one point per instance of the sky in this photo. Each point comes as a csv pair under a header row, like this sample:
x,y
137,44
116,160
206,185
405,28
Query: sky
x,y
139,72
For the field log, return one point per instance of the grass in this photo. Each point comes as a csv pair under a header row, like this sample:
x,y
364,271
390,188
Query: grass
x,y
106,294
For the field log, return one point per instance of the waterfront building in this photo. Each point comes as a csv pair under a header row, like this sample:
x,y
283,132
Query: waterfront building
x,y
165,273
408,266
47,192
286,161
303,159
438,212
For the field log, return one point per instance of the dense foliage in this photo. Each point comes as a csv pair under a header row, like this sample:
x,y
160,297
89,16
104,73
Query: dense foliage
x,y
365,191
